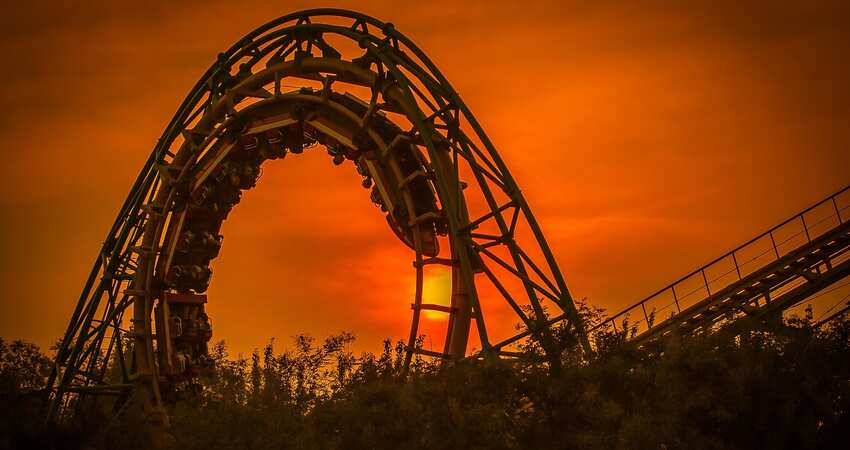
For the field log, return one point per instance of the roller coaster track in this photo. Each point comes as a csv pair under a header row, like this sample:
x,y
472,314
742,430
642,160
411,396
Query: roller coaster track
x,y
357,88
768,274
784,266
362,91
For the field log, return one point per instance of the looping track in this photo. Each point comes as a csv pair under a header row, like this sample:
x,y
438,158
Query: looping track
x,y
370,97
361,90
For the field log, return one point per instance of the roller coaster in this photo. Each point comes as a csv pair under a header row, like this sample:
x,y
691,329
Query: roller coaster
x,y
350,85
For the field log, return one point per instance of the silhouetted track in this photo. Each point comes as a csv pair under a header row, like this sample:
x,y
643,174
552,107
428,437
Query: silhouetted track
x,y
765,276
757,280
324,79
375,102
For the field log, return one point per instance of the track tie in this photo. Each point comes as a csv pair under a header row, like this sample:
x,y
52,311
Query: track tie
x,y
398,140
414,175
422,351
433,307
436,260
257,92
194,136
422,218
153,210
143,250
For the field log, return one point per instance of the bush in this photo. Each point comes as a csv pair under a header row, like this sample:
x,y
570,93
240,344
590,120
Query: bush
x,y
784,387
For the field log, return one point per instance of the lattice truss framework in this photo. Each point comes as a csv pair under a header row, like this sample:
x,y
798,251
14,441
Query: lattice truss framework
x,y
371,98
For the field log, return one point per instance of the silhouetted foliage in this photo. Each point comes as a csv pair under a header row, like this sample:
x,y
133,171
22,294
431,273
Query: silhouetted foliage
x,y
23,373
787,386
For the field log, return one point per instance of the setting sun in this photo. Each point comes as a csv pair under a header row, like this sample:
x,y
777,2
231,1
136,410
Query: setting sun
x,y
443,225
437,290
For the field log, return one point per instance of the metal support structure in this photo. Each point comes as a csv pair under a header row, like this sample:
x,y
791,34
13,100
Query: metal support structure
x,y
438,179
820,261
785,283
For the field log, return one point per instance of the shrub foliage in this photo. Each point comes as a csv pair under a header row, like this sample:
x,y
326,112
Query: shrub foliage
x,y
785,386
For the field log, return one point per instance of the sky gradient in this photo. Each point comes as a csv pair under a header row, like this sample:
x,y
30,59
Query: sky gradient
x,y
648,139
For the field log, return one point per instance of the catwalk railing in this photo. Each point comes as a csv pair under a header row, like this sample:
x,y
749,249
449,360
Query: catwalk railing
x,y
729,269
793,247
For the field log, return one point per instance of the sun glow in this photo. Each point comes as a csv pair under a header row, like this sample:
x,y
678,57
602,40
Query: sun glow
x,y
437,290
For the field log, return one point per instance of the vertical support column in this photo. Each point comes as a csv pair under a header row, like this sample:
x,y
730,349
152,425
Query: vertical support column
x,y
464,298
567,301
461,317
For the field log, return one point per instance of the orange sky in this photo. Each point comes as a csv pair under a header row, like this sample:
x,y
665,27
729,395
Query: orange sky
x,y
647,139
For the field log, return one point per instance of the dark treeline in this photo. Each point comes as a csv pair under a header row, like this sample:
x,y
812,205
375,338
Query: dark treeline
x,y
786,386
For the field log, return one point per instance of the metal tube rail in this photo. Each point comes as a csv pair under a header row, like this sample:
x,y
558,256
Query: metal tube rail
x,y
769,232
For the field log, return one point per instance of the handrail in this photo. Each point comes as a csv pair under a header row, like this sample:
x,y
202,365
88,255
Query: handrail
x,y
671,286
